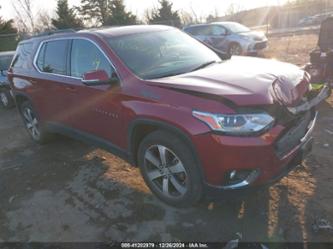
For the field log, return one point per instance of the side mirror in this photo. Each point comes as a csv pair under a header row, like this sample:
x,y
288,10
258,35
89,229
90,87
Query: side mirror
x,y
99,77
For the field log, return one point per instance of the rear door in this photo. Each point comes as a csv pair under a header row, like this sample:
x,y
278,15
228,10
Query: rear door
x,y
52,81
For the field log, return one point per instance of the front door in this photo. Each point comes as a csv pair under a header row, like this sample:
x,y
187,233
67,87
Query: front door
x,y
217,36
95,109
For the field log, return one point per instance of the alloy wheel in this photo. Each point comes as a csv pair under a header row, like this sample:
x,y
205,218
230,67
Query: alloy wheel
x,y
31,123
235,49
165,171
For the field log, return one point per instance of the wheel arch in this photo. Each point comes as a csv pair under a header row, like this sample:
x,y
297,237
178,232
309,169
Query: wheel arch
x,y
235,43
140,128
21,98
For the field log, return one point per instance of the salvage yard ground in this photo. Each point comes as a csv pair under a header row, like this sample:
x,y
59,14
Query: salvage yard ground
x,y
69,191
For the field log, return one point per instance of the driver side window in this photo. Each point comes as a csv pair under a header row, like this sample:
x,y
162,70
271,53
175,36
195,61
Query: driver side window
x,y
86,57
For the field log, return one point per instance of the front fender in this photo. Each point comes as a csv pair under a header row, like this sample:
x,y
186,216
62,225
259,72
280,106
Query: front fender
x,y
180,132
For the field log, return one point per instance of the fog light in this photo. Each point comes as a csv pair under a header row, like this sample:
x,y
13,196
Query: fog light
x,y
232,174
239,178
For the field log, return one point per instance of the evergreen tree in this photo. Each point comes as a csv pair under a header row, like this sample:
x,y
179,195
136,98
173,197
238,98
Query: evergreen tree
x,y
165,15
66,17
7,27
98,10
119,15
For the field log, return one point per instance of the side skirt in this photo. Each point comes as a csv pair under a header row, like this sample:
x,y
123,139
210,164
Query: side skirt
x,y
89,139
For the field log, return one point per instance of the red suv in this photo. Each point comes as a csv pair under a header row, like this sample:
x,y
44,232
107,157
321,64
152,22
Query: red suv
x,y
193,120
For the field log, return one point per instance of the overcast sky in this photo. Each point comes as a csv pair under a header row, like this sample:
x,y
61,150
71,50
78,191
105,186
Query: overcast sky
x,y
201,7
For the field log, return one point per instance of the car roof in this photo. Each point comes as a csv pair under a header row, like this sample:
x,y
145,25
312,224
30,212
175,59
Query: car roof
x,y
7,53
128,30
223,22
103,31
207,24
196,25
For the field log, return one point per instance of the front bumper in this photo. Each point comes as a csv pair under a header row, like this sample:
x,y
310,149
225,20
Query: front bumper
x,y
222,154
265,156
218,192
257,46
324,93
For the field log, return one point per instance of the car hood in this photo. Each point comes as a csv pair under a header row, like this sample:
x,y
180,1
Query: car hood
x,y
244,81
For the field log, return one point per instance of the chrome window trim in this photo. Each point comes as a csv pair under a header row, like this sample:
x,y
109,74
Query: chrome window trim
x,y
69,38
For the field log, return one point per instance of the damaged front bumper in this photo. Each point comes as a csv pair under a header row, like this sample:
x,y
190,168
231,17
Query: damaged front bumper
x,y
324,93
273,155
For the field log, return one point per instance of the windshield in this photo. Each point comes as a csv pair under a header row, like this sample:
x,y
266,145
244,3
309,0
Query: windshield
x,y
236,27
5,62
161,54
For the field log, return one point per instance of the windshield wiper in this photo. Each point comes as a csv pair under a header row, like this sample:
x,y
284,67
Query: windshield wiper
x,y
204,65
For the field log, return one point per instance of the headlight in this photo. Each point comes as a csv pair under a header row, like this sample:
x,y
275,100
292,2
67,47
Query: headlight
x,y
236,124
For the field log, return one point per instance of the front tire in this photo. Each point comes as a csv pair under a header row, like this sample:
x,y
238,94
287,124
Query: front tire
x,y
32,124
169,170
6,99
235,49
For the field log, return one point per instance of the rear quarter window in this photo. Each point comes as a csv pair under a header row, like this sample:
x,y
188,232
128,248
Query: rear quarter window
x,y
23,55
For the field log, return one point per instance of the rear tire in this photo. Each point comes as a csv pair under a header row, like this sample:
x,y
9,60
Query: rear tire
x,y
169,170
32,123
6,99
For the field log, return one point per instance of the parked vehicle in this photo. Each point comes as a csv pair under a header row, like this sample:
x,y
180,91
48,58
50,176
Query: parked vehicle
x,y
314,20
229,37
193,121
321,59
307,21
6,99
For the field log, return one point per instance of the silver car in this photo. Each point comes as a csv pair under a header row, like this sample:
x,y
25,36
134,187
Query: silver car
x,y
6,99
229,37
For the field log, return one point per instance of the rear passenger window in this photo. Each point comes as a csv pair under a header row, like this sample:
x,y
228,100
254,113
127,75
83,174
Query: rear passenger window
x,y
52,57
86,57
196,30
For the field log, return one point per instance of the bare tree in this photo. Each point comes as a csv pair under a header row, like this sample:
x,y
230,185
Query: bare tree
x,y
194,14
186,18
43,22
24,15
233,9
213,17
149,14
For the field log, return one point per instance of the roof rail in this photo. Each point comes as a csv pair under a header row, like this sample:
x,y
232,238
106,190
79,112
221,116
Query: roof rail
x,y
52,32
101,28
